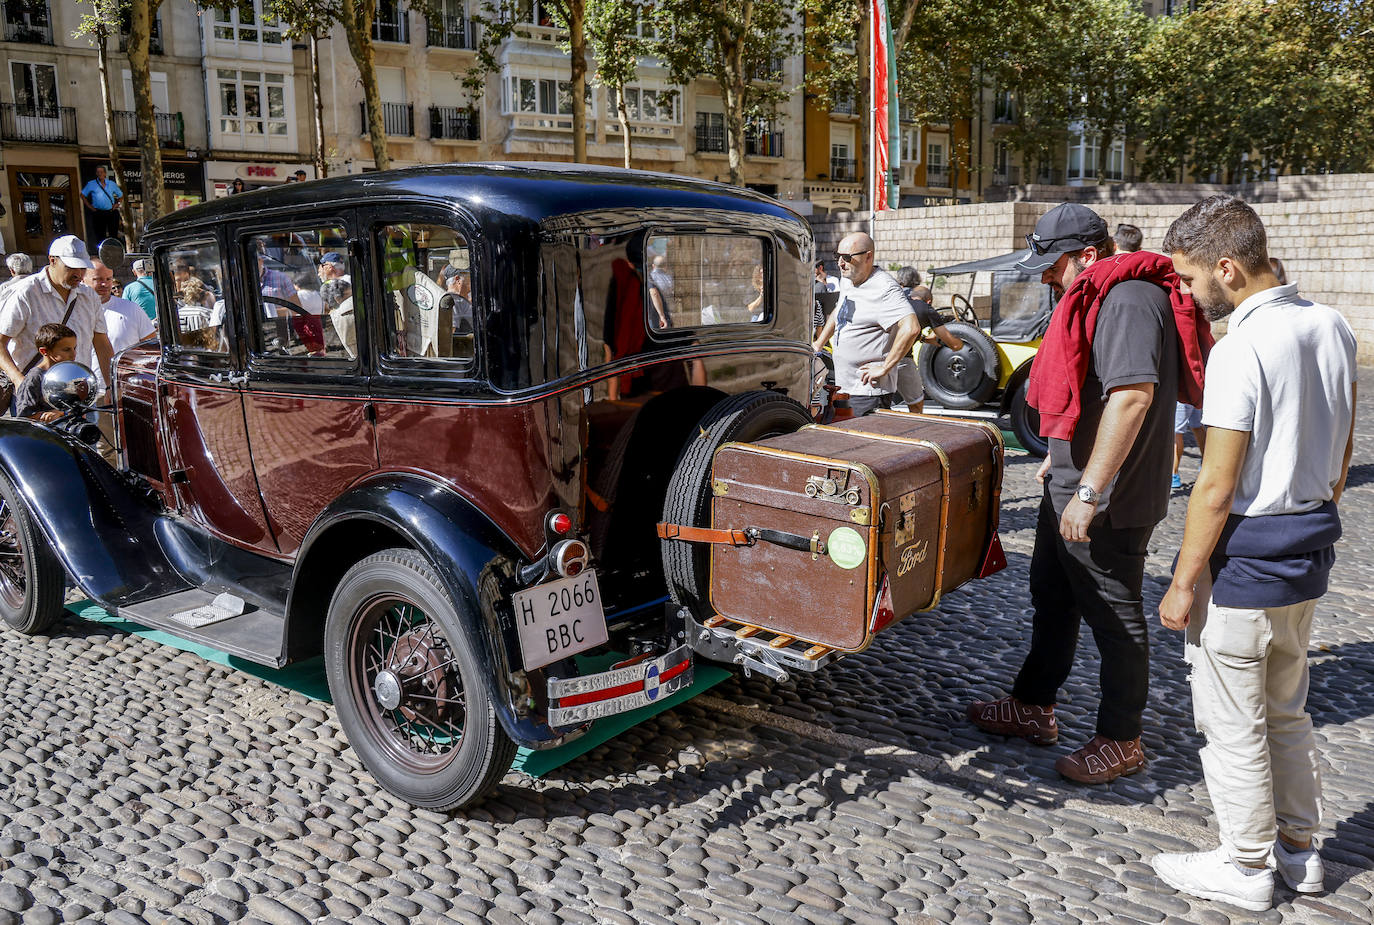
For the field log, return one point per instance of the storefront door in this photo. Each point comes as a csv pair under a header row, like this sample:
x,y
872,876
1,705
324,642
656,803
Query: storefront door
x,y
47,205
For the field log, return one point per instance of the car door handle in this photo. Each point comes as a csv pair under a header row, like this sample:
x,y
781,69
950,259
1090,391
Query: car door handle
x,y
216,377
241,379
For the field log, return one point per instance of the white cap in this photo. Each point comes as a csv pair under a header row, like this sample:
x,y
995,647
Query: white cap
x,y
71,250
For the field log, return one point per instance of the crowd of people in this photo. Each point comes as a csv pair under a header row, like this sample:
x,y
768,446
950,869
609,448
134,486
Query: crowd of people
x,y
1127,367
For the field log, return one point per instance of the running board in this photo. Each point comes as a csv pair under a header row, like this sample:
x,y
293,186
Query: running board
x,y
254,634
755,648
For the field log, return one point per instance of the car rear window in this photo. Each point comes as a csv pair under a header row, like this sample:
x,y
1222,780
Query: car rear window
x,y
699,280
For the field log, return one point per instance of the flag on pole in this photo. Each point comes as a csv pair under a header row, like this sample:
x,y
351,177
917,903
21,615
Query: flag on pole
x,y
885,155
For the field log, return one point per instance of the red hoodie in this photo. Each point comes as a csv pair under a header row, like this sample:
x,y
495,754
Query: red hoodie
x,y
1061,364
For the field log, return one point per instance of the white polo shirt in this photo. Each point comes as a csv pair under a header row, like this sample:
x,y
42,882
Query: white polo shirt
x,y
1283,373
33,302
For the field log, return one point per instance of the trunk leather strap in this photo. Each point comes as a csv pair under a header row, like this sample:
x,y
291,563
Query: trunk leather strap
x,y
704,535
746,537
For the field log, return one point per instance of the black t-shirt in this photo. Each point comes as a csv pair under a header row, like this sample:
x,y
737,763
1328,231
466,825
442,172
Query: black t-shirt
x,y
925,313
28,398
1135,342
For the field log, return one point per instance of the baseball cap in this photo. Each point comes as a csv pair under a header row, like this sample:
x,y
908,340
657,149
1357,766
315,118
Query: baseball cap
x,y
71,250
335,258
1066,228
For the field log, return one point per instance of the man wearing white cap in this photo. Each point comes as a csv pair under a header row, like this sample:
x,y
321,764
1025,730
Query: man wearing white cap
x,y
56,295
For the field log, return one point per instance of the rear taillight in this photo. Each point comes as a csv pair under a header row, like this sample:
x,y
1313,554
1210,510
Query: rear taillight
x,y
569,558
560,524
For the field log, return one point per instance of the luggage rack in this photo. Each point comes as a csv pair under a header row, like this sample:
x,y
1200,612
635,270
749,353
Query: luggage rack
x,y
755,648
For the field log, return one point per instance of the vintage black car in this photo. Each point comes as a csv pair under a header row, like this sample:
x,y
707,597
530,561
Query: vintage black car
x,y
427,423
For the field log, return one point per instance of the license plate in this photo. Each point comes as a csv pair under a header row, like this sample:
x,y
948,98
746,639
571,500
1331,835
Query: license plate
x,y
559,618
573,701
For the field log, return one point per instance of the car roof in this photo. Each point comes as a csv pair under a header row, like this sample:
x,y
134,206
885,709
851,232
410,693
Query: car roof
x,y
533,191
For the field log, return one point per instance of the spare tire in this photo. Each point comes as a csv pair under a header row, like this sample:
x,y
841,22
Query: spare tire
x,y
964,378
740,418
1025,423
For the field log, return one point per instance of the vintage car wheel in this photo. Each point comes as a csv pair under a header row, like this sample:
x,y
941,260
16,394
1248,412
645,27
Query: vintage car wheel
x,y
1025,423
32,580
964,378
408,693
741,418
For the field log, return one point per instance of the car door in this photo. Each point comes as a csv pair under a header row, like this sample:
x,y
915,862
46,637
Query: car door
x,y
310,421
200,397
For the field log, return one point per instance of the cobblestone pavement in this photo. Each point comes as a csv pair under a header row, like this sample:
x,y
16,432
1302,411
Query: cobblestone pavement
x,y
144,784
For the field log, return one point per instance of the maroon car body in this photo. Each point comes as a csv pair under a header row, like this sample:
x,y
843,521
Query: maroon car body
x,y
432,472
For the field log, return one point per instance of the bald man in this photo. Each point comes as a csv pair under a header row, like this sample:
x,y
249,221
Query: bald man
x,y
874,328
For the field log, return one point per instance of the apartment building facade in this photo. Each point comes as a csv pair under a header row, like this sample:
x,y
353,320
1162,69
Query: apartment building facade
x,y
52,131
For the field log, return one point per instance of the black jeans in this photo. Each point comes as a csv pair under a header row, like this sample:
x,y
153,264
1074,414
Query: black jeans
x,y
1099,582
104,224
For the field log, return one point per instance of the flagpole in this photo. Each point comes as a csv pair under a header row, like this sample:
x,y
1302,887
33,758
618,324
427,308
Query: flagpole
x,y
872,123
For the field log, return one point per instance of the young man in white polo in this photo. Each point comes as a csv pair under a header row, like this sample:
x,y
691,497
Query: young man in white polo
x,y
1257,550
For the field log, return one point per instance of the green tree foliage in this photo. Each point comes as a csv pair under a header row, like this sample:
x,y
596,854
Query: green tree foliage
x,y
739,43
615,41
98,25
309,20
1250,86
501,20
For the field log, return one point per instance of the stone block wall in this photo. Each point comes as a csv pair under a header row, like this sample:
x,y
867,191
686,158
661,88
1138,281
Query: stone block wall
x,y
1321,227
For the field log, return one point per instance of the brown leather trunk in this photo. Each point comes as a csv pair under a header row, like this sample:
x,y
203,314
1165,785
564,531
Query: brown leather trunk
x,y
883,514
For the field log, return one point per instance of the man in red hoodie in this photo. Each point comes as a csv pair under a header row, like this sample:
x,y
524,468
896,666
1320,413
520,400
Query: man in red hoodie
x,y
1105,382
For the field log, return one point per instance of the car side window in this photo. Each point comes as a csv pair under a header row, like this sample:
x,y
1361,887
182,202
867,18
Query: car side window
x,y
196,274
303,285
426,292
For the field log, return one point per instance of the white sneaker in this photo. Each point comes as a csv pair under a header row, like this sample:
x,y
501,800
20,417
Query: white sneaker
x,y
1301,870
1213,875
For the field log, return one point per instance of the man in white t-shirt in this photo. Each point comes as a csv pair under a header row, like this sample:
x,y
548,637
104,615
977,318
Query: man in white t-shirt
x,y
125,322
1257,551
874,327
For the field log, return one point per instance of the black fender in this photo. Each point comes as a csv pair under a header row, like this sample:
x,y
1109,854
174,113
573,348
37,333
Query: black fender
x,y
1017,377
100,522
474,557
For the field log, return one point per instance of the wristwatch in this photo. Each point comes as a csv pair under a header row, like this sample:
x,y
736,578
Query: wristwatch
x,y
1087,494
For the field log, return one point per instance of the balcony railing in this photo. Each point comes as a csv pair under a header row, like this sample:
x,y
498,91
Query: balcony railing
x,y
397,118
770,69
1049,177
844,106
454,124
763,144
710,138
451,32
46,124
937,176
843,168
32,33
392,30
1007,176
171,128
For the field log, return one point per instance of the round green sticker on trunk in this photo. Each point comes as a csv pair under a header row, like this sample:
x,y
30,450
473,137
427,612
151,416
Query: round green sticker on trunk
x,y
846,547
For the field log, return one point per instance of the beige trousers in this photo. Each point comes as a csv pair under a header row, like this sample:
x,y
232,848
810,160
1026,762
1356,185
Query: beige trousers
x,y
1249,677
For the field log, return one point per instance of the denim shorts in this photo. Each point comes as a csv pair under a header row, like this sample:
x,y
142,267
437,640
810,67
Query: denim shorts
x,y
1186,418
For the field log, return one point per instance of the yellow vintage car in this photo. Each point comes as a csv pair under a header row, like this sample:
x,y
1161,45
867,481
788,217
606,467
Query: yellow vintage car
x,y
1001,333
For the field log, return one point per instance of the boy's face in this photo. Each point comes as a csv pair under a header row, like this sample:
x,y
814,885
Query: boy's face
x,y
64,351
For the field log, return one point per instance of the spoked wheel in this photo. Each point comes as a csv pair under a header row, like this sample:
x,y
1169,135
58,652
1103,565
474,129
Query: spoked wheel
x,y
408,691
32,580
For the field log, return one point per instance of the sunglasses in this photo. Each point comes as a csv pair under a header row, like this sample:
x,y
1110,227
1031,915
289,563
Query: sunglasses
x,y
849,258
1043,245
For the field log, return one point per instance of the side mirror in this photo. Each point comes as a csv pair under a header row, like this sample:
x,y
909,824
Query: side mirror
x,y
69,386
111,253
